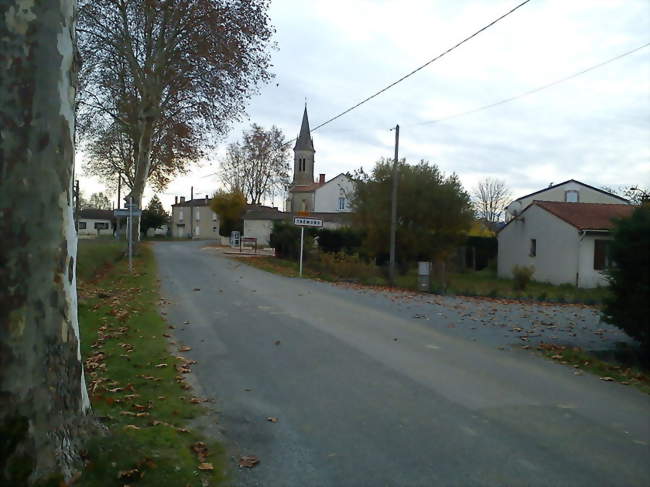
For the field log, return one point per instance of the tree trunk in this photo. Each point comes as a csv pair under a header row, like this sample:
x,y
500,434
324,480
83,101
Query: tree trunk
x,y
143,164
43,397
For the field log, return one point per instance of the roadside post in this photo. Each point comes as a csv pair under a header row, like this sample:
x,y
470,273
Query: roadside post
x,y
129,212
303,222
424,273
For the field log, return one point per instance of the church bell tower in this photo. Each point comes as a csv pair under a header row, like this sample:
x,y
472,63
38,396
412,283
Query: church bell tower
x,y
303,155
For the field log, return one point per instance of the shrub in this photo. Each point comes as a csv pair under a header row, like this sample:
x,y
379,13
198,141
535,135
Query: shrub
x,y
629,279
342,239
344,266
285,239
521,276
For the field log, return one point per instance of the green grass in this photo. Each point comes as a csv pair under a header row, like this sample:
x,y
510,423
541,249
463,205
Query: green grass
x,y
146,406
482,283
633,374
95,254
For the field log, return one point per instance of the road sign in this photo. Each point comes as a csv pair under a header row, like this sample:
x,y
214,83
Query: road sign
x,y
302,221
133,212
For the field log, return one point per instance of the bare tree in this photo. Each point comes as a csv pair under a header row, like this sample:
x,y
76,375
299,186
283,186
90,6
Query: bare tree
x,y
258,165
159,74
491,196
97,201
43,396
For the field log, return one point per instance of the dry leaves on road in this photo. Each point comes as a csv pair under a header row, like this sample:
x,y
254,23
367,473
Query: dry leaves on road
x,y
206,466
184,348
272,419
248,461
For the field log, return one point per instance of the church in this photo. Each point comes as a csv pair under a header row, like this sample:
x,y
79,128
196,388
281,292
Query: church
x,y
315,196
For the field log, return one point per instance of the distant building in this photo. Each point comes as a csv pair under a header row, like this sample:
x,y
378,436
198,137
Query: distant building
x,y
565,242
93,222
194,219
570,191
307,195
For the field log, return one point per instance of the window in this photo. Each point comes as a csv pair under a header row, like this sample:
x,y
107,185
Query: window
x,y
180,215
572,196
533,247
101,226
601,255
341,203
82,225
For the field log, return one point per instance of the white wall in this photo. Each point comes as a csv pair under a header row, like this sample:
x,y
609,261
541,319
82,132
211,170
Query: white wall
x,y
90,227
327,196
260,229
557,247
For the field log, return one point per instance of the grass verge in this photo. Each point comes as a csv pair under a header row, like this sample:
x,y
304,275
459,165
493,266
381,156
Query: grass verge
x,y
608,370
136,386
482,283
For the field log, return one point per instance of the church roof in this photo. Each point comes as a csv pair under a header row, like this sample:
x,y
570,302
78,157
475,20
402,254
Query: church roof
x,y
304,141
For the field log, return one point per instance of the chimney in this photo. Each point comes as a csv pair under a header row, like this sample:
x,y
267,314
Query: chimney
x,y
321,179
175,200
182,199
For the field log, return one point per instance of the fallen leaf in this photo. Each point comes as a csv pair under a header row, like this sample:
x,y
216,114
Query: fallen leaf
x,y
196,289
272,419
277,342
185,348
248,461
608,379
131,427
206,466
160,366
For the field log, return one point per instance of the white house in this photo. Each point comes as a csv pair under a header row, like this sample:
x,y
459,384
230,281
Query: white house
x,y
570,191
93,222
565,242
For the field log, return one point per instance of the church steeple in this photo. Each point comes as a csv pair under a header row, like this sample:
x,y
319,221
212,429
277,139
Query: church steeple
x,y
304,141
303,159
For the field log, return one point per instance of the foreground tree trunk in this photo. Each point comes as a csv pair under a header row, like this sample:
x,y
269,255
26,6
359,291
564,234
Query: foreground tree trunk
x,y
43,397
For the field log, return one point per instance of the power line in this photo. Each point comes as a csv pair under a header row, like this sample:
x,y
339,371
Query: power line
x,y
374,95
365,100
534,90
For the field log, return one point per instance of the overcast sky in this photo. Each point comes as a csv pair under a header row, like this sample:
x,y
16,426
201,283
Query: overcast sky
x,y
594,128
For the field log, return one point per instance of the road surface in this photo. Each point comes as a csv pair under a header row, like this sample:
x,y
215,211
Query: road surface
x,y
376,389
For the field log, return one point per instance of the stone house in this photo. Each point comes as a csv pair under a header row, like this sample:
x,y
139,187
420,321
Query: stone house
x,y
194,219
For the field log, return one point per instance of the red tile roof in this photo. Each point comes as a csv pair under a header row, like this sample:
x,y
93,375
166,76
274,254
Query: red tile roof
x,y
587,216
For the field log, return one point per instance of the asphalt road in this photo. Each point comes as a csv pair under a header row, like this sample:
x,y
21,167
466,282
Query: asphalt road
x,y
377,389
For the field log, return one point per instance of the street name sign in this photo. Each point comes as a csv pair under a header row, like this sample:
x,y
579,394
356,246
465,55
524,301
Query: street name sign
x,y
127,212
302,221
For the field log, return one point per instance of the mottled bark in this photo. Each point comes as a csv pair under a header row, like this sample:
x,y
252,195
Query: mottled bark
x,y
43,398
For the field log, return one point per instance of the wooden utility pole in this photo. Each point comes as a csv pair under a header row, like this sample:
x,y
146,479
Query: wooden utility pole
x,y
393,210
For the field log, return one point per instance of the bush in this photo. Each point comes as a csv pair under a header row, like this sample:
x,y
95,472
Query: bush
x,y
629,278
521,276
285,239
341,240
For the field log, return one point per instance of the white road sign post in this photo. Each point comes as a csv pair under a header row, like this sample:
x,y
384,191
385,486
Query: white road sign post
x,y
129,213
303,222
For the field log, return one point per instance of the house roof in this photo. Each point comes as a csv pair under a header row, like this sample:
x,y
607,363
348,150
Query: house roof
x,y
96,214
194,202
304,140
573,181
306,188
587,216
259,212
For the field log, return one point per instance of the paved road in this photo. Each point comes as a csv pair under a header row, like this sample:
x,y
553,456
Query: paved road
x,y
370,393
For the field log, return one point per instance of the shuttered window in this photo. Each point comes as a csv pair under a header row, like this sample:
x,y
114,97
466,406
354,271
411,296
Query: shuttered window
x,y
601,254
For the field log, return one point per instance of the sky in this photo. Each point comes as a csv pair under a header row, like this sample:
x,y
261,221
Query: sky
x,y
594,128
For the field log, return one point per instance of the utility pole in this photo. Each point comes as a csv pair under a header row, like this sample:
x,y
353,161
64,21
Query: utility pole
x,y
119,195
191,212
393,211
76,207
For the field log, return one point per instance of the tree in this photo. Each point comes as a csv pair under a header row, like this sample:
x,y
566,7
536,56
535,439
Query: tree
x,y
433,211
97,201
43,396
257,165
491,196
230,207
629,277
154,215
634,194
160,77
